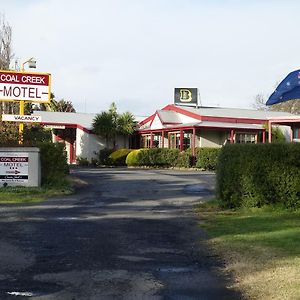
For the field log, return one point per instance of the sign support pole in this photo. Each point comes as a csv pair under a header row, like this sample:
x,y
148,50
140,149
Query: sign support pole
x,y
21,112
21,125
22,102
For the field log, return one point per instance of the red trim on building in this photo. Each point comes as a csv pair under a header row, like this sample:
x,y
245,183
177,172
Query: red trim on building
x,y
147,119
157,114
181,139
200,127
68,126
211,118
183,111
194,142
232,136
151,140
264,137
233,120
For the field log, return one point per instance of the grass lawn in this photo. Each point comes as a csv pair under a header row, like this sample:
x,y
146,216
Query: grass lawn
x,y
261,247
17,195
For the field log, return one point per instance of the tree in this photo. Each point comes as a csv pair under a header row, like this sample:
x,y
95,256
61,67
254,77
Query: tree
x,y
5,44
61,105
6,56
109,124
291,106
104,126
259,102
126,125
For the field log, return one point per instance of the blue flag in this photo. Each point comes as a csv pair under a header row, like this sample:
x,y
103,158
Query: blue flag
x,y
288,89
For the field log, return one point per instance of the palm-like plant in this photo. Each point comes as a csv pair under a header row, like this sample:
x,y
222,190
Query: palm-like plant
x,y
126,123
104,126
61,105
110,124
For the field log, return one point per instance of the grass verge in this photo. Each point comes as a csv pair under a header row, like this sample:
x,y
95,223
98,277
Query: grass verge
x,y
19,195
261,247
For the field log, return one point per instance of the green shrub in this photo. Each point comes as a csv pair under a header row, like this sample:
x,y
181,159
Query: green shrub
x,y
118,157
206,158
168,157
82,161
257,175
35,134
159,157
132,158
184,159
103,156
54,166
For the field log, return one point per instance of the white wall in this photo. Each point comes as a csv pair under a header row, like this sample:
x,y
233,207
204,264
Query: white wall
x,y
88,144
212,138
156,124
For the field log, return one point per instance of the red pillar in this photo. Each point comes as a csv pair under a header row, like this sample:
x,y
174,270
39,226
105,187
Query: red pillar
x,y
231,136
270,132
163,139
151,140
264,136
181,140
193,141
292,133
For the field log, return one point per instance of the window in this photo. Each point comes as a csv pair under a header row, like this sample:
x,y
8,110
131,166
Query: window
x,y
145,140
296,133
244,138
174,140
187,140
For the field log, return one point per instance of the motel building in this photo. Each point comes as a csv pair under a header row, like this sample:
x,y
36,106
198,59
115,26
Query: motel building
x,y
184,127
75,130
174,126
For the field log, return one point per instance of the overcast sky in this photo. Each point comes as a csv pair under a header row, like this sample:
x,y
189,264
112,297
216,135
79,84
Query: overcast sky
x,y
135,52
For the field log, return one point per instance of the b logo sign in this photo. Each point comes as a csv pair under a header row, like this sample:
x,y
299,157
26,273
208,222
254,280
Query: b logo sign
x,y
187,96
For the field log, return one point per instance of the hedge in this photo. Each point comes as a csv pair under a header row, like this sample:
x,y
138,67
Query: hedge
x,y
132,158
54,164
254,175
118,157
207,158
103,156
159,157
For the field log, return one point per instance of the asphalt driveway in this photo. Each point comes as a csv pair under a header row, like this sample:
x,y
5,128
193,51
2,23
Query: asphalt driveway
x,y
125,234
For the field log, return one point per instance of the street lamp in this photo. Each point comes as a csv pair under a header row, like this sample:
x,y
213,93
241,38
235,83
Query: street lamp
x,y
32,65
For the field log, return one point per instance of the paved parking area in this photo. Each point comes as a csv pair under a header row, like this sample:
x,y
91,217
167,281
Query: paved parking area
x,y
125,234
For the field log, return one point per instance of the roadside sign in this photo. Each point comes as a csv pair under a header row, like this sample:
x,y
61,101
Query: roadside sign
x,y
19,86
22,118
14,167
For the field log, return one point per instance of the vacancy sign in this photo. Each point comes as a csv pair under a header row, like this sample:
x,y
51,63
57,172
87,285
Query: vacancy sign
x,y
13,167
17,86
22,118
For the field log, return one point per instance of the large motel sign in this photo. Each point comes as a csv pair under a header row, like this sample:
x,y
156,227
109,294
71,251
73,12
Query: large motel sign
x,y
24,86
